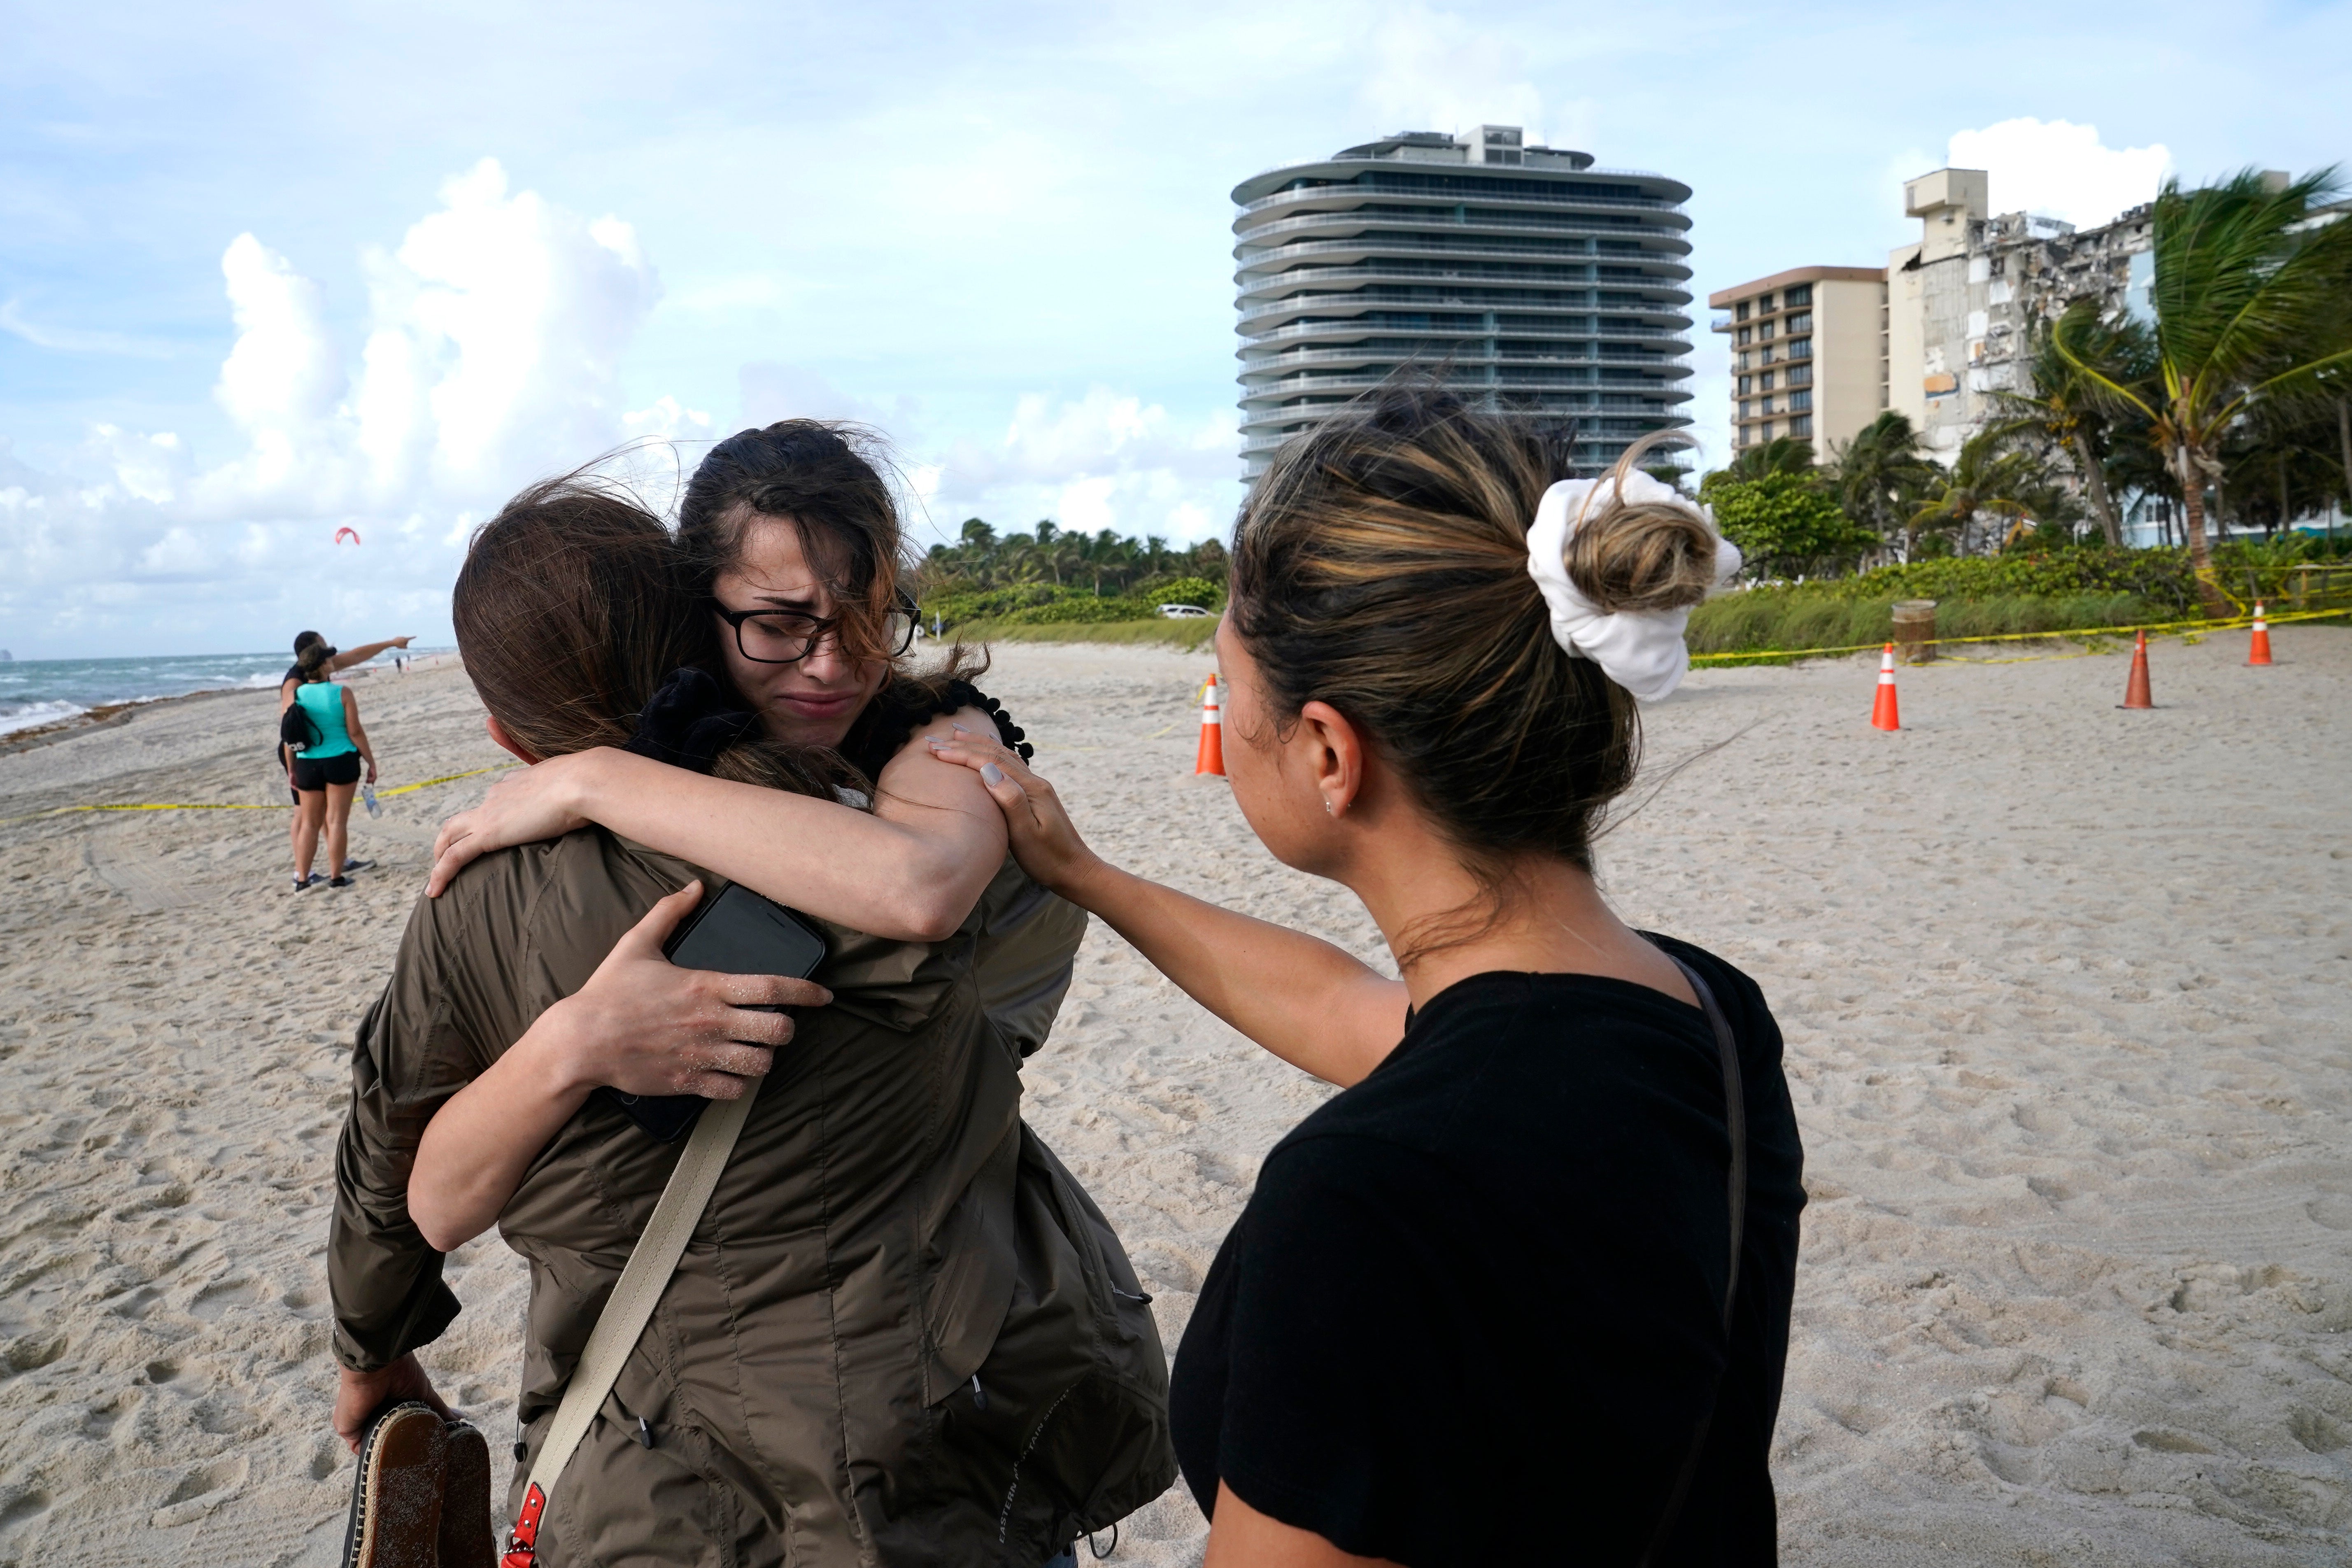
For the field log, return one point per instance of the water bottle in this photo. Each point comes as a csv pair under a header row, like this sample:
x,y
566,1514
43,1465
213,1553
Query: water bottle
x,y
367,794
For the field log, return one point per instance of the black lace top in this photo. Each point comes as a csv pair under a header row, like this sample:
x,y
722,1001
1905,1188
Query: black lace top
x,y
903,706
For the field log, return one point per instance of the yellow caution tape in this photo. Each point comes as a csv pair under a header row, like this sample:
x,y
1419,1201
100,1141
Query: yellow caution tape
x,y
243,805
2198,626
447,778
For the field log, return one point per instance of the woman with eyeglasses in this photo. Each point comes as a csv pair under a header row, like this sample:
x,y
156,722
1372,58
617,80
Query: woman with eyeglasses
x,y
792,535
971,1318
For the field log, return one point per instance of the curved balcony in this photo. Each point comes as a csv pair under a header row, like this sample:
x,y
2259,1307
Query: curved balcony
x,y
1595,439
1361,193
1254,372
1551,382
1389,269
1284,342
1362,301
1405,249
1675,322
1598,422
1263,402
1671,243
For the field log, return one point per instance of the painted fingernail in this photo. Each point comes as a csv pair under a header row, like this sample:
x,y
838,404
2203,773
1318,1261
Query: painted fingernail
x,y
991,774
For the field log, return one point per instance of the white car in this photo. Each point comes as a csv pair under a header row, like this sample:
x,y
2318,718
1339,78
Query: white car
x,y
1182,612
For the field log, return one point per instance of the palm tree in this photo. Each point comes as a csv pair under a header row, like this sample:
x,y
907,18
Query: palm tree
x,y
1781,455
2250,298
2068,409
1986,478
1881,476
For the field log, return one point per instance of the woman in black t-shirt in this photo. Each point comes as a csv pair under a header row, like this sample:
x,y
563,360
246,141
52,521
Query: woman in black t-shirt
x,y
1521,1292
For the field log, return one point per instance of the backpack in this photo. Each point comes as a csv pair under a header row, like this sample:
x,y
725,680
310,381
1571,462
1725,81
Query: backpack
x,y
297,729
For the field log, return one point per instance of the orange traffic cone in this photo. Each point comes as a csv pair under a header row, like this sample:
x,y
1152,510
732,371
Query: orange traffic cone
x,y
2136,692
1882,714
2260,653
1212,759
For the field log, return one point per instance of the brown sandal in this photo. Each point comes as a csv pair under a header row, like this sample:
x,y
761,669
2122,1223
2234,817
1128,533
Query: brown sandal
x,y
422,1496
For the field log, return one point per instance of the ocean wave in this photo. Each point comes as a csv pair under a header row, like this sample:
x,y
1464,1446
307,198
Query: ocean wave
x,y
33,715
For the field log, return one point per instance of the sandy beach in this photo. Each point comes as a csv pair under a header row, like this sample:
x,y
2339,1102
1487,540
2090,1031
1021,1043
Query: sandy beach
x,y
2067,993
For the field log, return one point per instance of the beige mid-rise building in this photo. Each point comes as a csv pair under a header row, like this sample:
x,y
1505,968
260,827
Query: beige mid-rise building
x,y
1807,354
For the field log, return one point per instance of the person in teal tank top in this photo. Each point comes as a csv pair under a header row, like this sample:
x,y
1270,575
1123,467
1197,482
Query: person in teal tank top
x,y
327,770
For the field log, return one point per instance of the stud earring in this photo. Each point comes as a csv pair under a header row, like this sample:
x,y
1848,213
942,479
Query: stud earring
x,y
1327,808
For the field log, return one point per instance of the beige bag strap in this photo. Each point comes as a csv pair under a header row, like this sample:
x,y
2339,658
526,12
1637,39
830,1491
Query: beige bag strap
x,y
631,1308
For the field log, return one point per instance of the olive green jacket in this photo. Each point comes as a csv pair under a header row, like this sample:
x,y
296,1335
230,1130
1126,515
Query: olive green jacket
x,y
900,1334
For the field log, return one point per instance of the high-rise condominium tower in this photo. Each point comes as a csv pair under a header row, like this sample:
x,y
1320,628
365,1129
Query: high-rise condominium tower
x,y
1529,279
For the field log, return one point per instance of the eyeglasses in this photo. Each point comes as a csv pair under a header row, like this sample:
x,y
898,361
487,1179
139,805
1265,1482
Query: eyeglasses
x,y
788,637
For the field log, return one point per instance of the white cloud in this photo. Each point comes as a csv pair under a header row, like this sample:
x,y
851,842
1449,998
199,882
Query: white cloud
x,y
1433,72
1104,460
2060,169
492,355
74,341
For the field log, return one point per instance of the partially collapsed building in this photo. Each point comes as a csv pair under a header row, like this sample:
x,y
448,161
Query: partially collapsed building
x,y
1963,300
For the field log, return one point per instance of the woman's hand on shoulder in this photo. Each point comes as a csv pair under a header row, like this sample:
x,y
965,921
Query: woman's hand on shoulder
x,y
542,801
1044,840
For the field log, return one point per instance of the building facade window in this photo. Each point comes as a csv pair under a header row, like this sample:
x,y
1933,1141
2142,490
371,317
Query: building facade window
x,y
1745,335
1802,322
1744,387
1800,400
1764,332
1747,410
1763,304
1801,348
1764,382
1801,426
1802,294
1800,375
1739,311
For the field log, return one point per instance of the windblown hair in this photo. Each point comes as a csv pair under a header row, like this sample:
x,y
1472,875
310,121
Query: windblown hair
x,y
826,478
573,605
1381,565
310,664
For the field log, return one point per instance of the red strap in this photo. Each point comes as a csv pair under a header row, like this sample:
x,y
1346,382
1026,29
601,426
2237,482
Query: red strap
x,y
522,1546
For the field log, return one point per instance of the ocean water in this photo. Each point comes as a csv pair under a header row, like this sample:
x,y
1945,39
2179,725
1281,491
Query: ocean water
x,y
37,691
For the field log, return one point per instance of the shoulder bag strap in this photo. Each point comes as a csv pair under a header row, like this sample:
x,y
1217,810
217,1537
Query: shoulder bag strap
x,y
630,1308
1734,1121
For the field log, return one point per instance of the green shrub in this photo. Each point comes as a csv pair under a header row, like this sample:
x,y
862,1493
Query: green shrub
x,y
1821,615
1082,609
1785,518
2161,576
1198,591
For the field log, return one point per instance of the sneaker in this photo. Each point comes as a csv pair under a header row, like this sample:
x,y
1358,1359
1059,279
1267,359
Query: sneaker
x,y
339,881
302,884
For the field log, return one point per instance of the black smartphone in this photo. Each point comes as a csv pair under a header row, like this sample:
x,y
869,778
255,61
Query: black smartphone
x,y
738,932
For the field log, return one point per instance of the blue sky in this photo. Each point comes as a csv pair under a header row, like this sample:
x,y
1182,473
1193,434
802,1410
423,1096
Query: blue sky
x,y
268,269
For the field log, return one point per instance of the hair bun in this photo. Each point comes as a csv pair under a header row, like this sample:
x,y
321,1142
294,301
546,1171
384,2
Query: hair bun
x,y
1642,546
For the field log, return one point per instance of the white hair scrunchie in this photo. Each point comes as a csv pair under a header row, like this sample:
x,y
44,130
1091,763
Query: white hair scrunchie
x,y
1641,651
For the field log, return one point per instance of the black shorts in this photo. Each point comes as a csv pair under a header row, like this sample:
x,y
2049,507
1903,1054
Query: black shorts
x,y
317,773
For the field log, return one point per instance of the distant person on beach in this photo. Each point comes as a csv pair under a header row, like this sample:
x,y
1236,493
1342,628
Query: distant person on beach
x,y
325,771
1521,1293
902,1333
337,661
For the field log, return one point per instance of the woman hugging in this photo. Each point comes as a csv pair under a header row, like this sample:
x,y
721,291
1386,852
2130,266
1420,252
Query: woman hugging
x,y
900,1331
